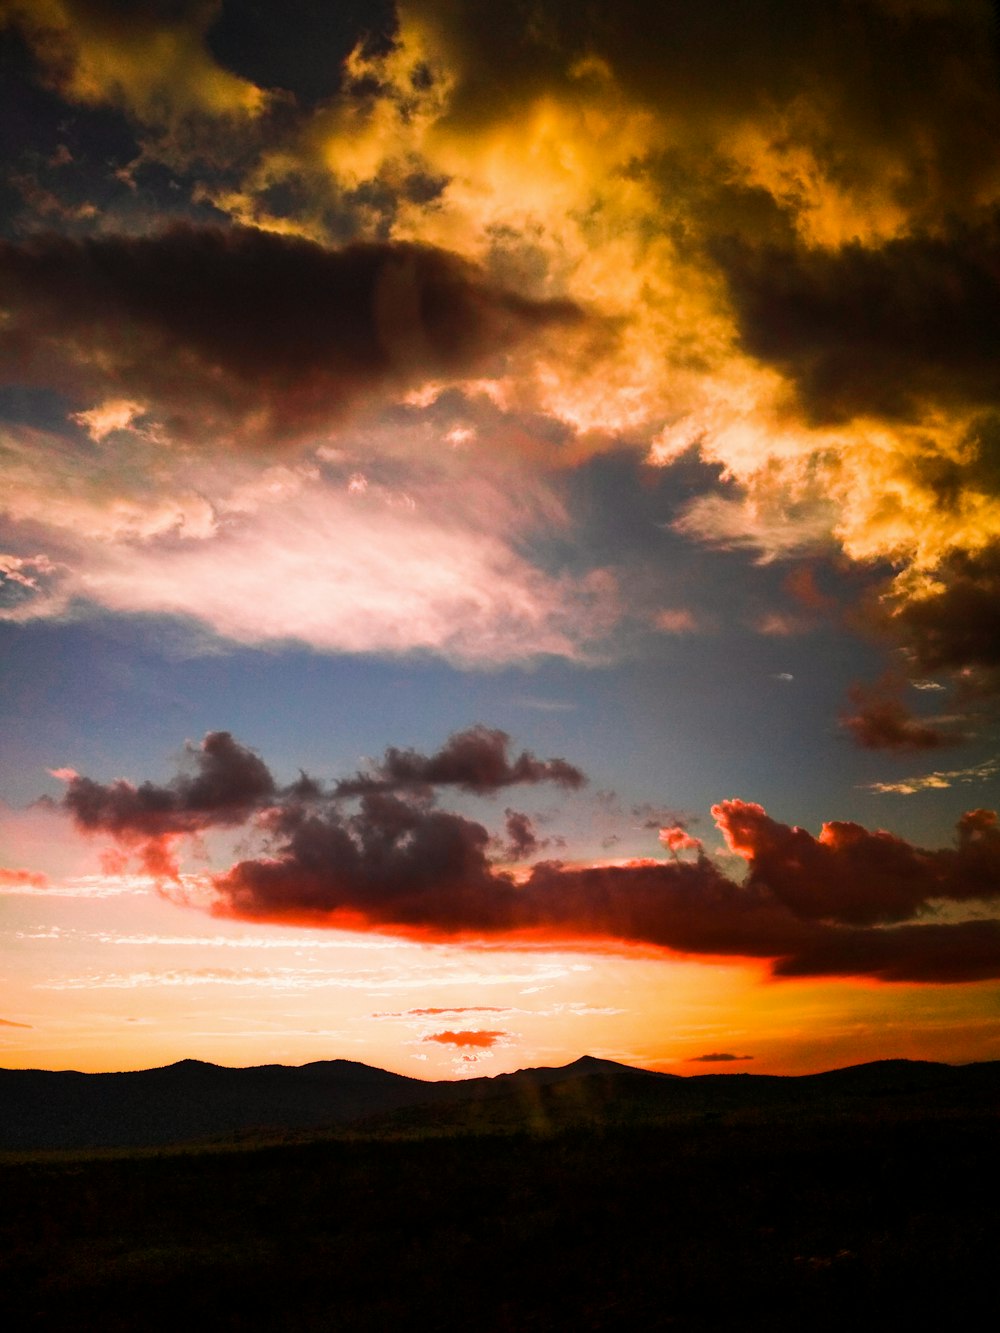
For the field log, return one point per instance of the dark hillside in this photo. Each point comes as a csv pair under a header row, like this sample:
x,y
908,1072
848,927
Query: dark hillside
x,y
778,1225
193,1102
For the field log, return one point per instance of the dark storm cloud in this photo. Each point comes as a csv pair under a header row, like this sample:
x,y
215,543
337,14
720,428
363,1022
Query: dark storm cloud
x,y
875,331
963,951
245,331
476,760
392,861
956,625
228,783
818,906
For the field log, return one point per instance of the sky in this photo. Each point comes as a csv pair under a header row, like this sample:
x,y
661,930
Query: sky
x,y
499,533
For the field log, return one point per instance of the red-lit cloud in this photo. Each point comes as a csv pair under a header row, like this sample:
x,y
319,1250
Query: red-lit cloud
x,y
848,902
474,1039
677,839
11,878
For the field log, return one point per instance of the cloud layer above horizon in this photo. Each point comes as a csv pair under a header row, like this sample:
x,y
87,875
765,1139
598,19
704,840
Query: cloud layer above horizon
x,y
474,252
377,852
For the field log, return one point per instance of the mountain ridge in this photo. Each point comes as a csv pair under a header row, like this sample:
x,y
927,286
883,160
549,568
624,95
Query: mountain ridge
x,y
194,1101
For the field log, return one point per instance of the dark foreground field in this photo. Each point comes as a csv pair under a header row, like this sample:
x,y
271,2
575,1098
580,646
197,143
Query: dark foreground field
x,y
769,1221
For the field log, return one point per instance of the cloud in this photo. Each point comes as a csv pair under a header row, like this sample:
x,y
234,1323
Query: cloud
x,y
9,1023
677,839
716,1057
244,334
474,1008
883,722
951,620
228,784
10,878
431,557
396,863
475,760
522,841
960,951
939,779
150,59
783,231
855,877
883,332
675,621
472,1039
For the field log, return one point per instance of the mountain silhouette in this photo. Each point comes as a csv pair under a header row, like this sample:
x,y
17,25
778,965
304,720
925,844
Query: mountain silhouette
x,y
193,1101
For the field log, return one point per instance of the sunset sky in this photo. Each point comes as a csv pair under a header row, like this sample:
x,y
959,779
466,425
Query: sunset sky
x,y
499,533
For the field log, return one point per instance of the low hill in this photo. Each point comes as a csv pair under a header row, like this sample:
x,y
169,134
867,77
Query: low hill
x,y
192,1101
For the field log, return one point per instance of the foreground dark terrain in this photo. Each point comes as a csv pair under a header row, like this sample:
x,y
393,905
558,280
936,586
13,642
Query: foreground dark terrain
x,y
584,1198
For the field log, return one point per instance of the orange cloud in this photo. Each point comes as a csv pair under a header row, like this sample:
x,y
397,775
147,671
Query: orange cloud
x,y
474,1039
10,878
155,68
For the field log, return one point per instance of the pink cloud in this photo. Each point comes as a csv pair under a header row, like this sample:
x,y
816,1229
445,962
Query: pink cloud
x,y
30,878
678,839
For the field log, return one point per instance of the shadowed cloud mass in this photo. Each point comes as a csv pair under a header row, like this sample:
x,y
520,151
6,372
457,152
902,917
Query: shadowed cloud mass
x,y
243,332
475,761
849,901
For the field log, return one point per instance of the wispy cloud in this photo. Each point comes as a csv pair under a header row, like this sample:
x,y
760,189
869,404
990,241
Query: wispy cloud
x,y
716,1057
939,779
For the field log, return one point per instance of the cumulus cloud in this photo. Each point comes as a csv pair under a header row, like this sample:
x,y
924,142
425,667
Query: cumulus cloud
x,y
856,877
952,621
228,783
848,902
475,760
